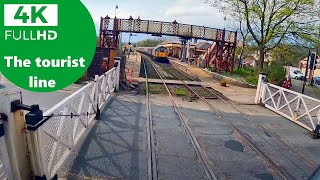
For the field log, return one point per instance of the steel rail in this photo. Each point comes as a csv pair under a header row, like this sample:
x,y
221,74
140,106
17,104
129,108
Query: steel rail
x,y
241,134
234,105
217,112
283,174
201,154
152,162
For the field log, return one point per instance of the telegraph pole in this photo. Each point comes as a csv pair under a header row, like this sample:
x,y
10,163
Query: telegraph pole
x,y
307,68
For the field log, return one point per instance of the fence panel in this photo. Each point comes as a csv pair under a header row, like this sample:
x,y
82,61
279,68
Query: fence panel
x,y
5,168
64,125
299,108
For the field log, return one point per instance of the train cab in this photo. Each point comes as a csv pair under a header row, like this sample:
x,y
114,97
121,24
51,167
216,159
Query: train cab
x,y
160,54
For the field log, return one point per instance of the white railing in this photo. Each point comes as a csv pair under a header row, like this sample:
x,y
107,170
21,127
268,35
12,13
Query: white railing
x,y
301,109
64,125
5,169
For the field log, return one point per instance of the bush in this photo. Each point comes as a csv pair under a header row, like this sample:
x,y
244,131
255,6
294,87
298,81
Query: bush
x,y
252,80
276,72
248,71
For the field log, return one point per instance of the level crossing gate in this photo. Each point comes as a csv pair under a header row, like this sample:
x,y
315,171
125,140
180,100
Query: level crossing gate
x,y
298,108
51,136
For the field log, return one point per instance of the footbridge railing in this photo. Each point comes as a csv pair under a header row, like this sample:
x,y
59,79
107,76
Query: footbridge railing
x,y
299,108
46,140
166,28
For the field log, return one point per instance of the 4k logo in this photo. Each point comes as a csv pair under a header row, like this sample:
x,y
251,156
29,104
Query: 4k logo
x,y
31,15
35,14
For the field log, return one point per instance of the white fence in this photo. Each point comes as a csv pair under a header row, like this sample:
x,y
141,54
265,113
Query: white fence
x,y
5,169
52,140
301,109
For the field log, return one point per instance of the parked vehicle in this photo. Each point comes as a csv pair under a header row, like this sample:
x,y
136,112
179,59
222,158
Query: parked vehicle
x,y
317,80
296,74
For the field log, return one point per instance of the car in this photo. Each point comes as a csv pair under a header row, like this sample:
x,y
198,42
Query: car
x,y
317,80
296,74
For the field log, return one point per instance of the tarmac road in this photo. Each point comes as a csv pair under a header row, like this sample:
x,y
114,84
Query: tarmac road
x,y
45,100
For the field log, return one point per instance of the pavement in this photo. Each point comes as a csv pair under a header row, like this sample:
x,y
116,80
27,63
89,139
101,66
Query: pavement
x,y
116,146
133,66
45,100
309,91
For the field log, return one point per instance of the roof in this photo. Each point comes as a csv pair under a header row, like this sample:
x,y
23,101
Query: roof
x,y
175,42
203,45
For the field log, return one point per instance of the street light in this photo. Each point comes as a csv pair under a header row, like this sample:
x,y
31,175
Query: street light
x,y
115,11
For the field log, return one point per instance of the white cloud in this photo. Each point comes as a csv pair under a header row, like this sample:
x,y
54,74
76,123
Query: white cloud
x,y
194,12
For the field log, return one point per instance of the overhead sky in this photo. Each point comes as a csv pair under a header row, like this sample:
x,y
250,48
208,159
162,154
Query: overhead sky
x,y
194,12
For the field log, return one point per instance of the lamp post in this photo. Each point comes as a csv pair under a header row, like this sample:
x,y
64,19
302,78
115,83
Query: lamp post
x,y
115,11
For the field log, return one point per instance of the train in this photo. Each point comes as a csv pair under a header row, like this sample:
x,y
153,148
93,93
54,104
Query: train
x,y
160,54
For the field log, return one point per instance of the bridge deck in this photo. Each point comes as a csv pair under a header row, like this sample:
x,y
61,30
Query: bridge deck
x,y
116,145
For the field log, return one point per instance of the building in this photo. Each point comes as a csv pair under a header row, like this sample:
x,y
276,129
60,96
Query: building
x,y
174,48
201,48
303,63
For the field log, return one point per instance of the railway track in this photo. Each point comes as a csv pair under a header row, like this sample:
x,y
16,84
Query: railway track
x,y
236,106
202,93
200,153
152,163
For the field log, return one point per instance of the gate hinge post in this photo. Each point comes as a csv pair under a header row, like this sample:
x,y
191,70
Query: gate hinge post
x,y
316,133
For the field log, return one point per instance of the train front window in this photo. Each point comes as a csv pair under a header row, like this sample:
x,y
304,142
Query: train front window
x,y
162,49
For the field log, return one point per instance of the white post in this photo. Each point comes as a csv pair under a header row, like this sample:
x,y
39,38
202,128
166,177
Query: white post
x,y
15,137
262,77
117,77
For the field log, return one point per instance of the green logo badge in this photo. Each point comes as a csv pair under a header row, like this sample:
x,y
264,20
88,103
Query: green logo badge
x,y
45,47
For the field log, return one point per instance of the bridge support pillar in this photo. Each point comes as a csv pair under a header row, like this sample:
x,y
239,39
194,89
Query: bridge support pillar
x,y
183,50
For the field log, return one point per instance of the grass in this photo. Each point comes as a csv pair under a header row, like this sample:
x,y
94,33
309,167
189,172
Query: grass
x,y
153,89
180,92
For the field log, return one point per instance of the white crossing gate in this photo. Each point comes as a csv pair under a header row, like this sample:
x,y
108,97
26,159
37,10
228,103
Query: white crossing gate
x,y
299,108
5,167
52,139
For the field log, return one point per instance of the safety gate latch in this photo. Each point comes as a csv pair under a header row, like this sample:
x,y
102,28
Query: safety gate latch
x,y
33,118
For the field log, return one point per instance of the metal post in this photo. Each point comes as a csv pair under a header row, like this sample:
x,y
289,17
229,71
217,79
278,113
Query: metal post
x,y
305,79
97,96
262,78
15,137
117,78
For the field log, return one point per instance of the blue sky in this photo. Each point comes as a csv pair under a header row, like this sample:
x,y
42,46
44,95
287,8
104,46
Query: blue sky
x,y
194,12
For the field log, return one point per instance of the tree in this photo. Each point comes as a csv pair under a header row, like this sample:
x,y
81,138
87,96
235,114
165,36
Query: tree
x,y
290,55
244,34
270,22
149,43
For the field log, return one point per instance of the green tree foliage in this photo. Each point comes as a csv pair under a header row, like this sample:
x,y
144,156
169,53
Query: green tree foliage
x,y
270,22
291,55
276,72
149,43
